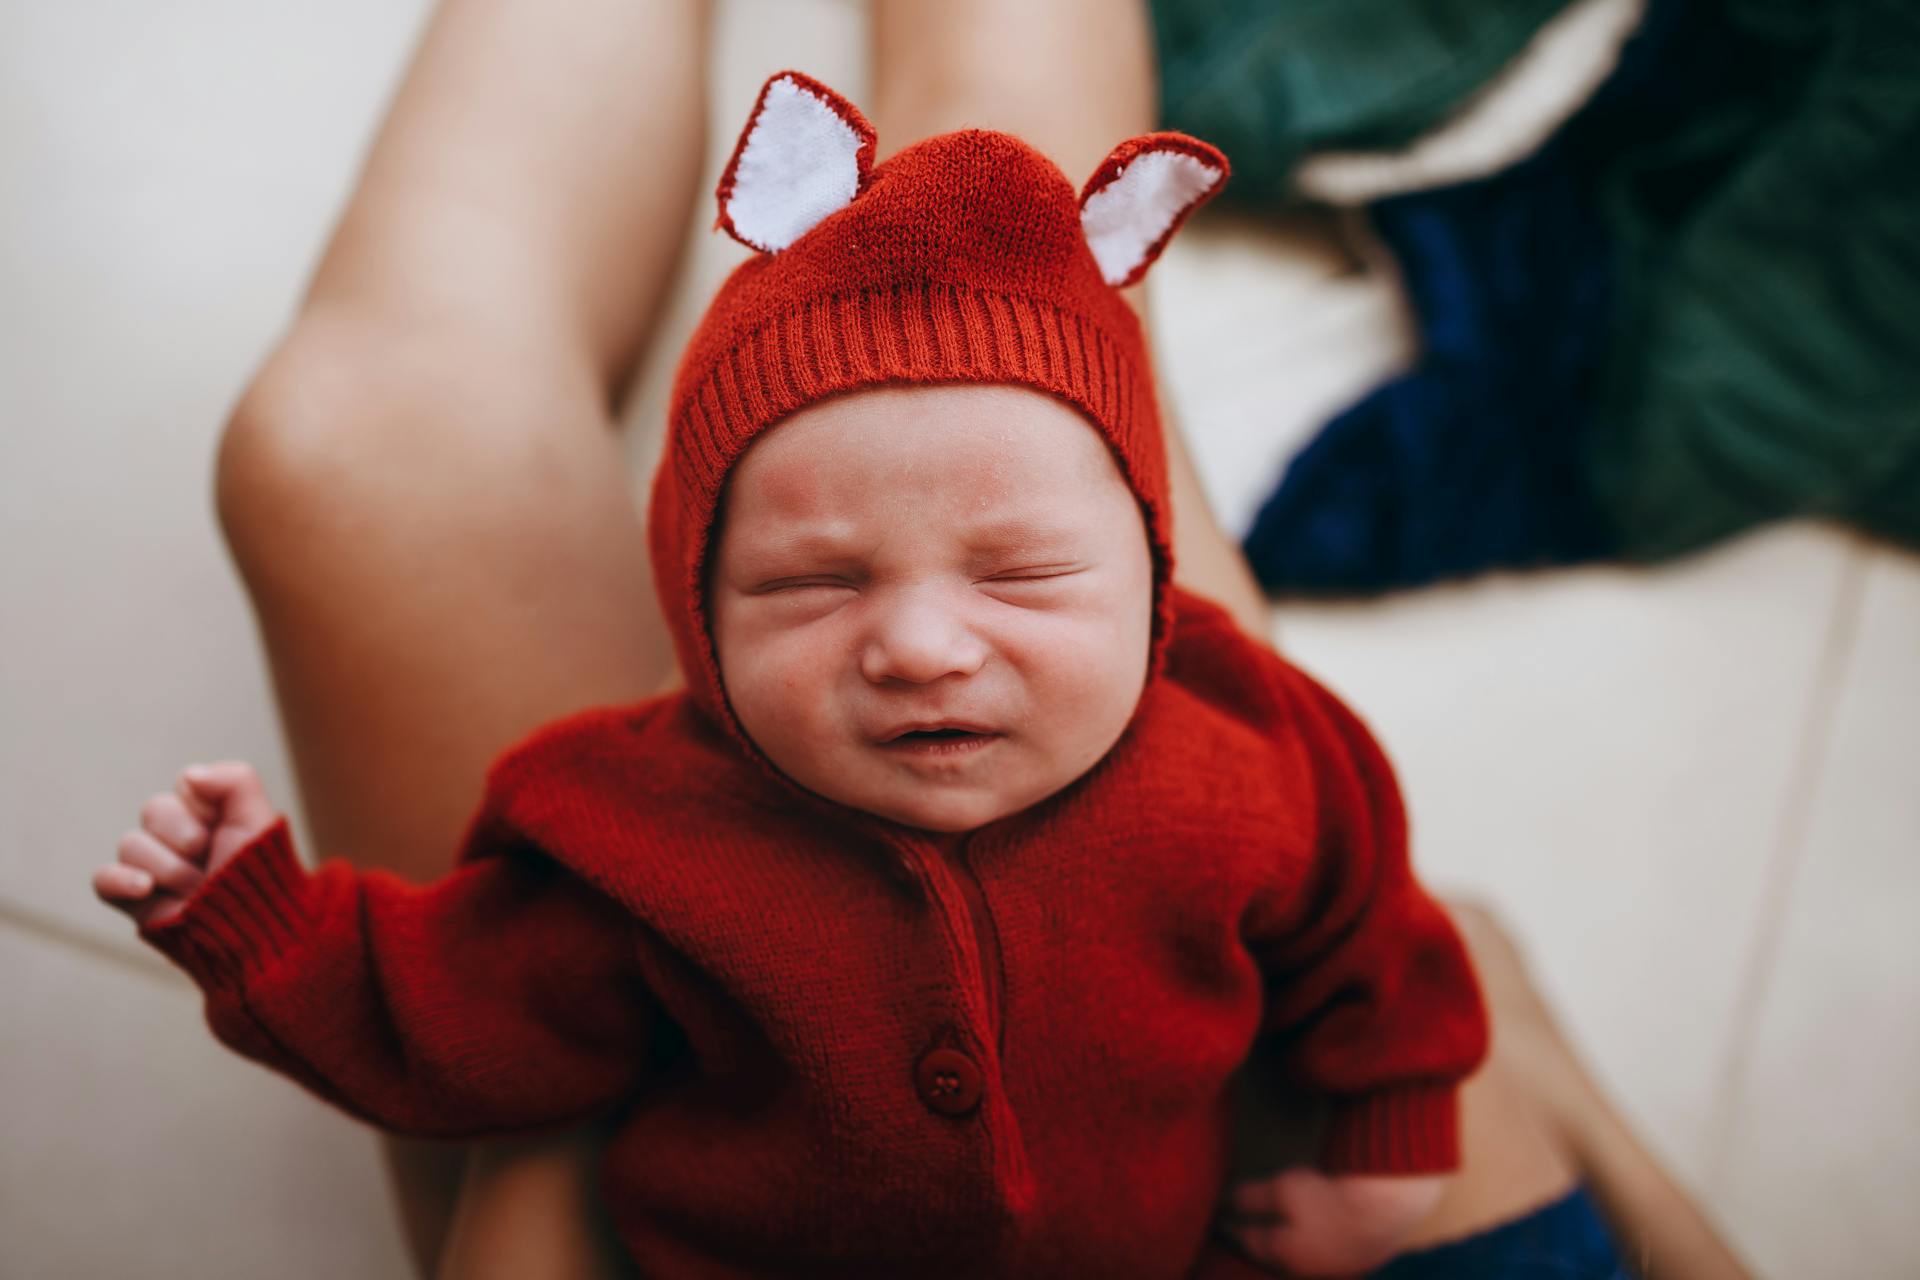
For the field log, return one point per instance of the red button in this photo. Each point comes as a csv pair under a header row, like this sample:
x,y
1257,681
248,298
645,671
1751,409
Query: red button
x,y
949,1082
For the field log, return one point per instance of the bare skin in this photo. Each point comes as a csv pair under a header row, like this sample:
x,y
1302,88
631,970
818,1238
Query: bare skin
x,y
423,491
923,555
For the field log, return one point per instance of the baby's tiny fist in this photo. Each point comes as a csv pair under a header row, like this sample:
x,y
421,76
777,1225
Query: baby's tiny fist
x,y
229,799
184,837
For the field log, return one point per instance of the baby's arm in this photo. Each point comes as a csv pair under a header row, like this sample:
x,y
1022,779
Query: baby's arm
x,y
501,997
1371,1005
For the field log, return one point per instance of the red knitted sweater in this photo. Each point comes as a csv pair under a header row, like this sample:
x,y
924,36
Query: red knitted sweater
x,y
833,1048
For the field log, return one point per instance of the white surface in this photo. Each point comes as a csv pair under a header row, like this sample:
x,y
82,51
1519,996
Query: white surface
x,y
1819,1157
137,1145
1690,790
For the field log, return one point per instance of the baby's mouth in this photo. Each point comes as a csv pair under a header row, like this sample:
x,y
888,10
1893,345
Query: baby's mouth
x,y
937,731
934,740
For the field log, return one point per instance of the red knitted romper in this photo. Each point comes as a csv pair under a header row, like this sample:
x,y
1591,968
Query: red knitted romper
x,y
826,1047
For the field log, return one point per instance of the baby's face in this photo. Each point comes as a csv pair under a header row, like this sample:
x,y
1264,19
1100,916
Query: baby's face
x,y
911,557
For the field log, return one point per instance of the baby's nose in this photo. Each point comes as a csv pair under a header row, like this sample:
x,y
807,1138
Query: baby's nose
x,y
916,638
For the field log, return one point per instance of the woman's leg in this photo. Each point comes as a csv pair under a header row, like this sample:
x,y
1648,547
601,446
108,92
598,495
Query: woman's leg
x,y
422,487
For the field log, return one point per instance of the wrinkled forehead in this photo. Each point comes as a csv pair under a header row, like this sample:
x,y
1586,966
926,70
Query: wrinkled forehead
x,y
987,455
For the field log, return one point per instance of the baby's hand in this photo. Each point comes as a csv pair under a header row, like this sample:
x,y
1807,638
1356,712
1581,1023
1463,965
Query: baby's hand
x,y
185,836
1309,1223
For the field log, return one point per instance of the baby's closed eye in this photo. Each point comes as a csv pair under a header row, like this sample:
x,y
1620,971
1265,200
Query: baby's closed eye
x,y
802,584
1039,573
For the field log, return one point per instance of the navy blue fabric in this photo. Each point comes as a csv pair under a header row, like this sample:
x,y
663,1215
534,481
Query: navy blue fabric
x,y
1476,458
1565,1241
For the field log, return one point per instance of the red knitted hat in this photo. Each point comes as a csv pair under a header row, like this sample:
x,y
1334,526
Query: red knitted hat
x,y
964,258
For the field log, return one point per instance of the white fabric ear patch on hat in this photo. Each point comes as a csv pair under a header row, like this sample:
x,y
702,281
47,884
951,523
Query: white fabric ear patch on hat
x,y
1127,218
798,163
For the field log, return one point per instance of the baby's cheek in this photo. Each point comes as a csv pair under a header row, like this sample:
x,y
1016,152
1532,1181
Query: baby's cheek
x,y
797,687
1083,702
1099,673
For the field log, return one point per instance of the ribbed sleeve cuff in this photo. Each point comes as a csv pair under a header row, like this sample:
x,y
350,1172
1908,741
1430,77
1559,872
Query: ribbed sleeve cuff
x,y
1409,1130
251,911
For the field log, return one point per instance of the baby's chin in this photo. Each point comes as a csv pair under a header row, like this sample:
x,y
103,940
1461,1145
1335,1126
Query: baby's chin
x,y
942,810
944,817
953,805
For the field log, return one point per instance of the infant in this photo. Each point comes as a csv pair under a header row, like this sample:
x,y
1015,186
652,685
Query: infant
x,y
926,929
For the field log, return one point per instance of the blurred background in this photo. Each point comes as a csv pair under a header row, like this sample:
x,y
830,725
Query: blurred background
x,y
1576,463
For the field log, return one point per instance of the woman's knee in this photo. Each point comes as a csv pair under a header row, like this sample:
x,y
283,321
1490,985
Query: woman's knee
x,y
302,434
365,430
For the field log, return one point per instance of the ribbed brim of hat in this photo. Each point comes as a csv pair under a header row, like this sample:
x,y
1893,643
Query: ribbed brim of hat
x,y
916,333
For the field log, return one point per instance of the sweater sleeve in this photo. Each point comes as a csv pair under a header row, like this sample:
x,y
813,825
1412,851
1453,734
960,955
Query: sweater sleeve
x,y
503,996
1371,1001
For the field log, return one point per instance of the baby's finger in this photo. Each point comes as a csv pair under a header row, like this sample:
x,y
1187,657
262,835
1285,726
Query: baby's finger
x,y
235,787
218,778
203,809
169,870
167,818
118,883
